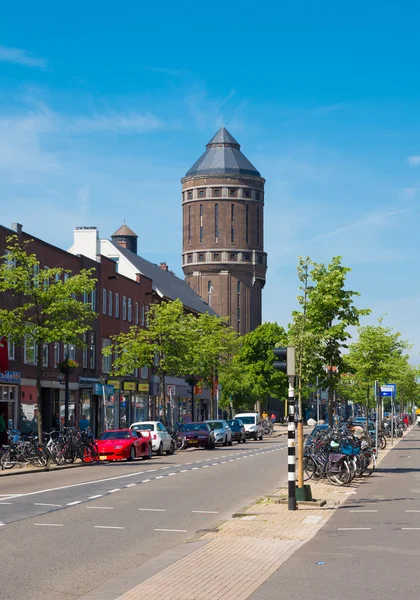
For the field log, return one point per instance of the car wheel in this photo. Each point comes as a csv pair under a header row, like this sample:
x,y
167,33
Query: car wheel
x,y
255,437
132,453
149,454
230,442
225,442
171,449
244,440
261,438
160,450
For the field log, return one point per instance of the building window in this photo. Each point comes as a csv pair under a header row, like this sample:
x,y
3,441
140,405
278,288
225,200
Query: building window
x,y
190,195
232,223
201,258
117,306
56,354
92,351
232,256
57,277
260,260
216,192
216,222
106,360
110,303
189,224
246,223
238,287
46,278
11,349
93,300
85,351
246,257
45,355
137,313
143,312
124,308
209,291
258,196
144,373
233,192
201,193
216,256
69,351
30,350
189,258
201,223
130,310
104,301
246,193
85,298
258,225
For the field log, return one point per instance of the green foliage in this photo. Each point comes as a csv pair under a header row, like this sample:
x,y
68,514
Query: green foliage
x,y
251,376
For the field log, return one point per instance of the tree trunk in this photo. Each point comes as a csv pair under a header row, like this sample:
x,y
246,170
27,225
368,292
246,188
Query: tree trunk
x,y
38,389
330,400
367,406
162,396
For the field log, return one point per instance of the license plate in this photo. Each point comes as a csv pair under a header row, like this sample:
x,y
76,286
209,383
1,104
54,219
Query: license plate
x,y
102,458
193,441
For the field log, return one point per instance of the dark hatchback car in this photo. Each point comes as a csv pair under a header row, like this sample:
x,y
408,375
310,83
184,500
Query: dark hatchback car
x,y
238,430
198,435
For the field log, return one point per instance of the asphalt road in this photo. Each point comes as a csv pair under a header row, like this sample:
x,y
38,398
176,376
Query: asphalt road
x,y
65,533
370,548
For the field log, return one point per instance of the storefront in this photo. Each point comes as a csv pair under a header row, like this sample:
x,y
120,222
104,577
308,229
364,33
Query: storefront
x,y
103,408
9,398
129,405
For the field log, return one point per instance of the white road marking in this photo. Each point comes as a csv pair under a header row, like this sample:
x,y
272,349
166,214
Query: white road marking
x,y
94,497
413,511
1,524
151,470
146,480
107,527
206,466
74,503
131,485
154,509
206,512
4,503
175,530
160,477
100,507
190,463
169,475
114,490
363,510
232,460
48,524
184,471
42,504
195,468
215,464
410,528
163,468
353,528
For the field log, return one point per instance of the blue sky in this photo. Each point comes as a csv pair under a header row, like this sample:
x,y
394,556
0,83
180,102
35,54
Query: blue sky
x,y
105,106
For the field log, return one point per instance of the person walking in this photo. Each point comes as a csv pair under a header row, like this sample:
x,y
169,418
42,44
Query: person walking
x,y
83,423
273,418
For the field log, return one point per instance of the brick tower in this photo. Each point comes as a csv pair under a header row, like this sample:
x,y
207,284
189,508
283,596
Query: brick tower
x,y
223,254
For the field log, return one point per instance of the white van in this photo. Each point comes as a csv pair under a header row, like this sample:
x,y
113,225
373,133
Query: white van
x,y
253,425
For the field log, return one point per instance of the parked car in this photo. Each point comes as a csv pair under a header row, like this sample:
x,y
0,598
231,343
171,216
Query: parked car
x,y
124,444
198,434
253,425
161,440
238,430
222,432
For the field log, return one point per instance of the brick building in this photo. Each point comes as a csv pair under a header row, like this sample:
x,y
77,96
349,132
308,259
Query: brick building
x,y
223,232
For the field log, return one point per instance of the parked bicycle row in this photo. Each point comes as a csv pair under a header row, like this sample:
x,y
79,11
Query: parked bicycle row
x,y
141,440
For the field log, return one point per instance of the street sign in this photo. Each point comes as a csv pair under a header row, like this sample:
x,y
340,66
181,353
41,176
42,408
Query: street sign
x,y
171,390
388,390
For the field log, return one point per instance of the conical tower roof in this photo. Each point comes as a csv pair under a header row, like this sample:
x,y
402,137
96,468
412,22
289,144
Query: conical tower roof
x,y
223,156
124,230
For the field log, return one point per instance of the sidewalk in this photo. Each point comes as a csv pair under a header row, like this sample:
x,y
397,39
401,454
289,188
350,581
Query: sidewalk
x,y
241,554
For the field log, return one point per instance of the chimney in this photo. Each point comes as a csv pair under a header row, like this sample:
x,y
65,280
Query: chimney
x,y
138,277
17,227
163,266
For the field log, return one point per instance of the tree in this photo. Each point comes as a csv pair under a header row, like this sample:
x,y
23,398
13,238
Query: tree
x,y
254,365
162,345
212,344
46,306
330,312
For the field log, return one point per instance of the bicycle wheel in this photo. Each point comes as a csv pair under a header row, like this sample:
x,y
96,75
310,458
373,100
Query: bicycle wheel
x,y
39,457
309,467
338,473
6,460
382,442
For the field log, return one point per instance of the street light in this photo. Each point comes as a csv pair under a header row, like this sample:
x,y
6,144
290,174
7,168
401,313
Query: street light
x,y
192,380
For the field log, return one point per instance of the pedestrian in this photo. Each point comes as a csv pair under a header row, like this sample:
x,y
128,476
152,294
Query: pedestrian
x,y
56,422
265,416
3,430
84,423
273,418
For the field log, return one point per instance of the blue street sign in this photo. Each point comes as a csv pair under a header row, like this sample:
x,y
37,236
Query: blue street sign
x,y
388,390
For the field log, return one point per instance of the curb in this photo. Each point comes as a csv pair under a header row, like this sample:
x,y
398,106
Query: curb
x,y
41,470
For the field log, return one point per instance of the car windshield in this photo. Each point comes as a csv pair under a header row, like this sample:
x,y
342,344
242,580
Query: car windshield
x,y
144,427
195,427
248,420
233,423
215,425
115,435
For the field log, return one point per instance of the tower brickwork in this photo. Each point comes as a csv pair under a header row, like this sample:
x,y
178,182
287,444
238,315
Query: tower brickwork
x,y
223,232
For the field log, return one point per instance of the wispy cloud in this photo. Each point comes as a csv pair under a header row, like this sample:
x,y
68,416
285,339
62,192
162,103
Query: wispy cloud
x,y
414,161
21,57
361,223
117,122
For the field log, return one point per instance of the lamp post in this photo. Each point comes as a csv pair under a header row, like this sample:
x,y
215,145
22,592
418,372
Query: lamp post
x,y
192,380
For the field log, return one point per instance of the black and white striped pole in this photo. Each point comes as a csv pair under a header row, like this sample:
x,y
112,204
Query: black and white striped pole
x,y
286,364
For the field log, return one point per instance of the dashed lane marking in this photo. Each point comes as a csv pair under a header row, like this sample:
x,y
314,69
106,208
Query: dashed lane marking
x,y
363,510
206,512
94,497
174,530
74,503
107,527
45,504
154,509
353,528
114,490
48,525
100,507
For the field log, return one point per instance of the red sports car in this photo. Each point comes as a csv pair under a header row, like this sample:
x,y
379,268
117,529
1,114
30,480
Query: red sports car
x,y
120,444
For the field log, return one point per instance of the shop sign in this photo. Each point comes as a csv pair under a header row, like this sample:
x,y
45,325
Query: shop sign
x,y
129,386
115,383
143,387
98,389
12,377
50,374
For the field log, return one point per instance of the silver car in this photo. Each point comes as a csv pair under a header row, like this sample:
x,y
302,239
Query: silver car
x,y
222,432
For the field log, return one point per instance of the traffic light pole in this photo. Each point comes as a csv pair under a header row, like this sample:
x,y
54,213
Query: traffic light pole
x,y
291,447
